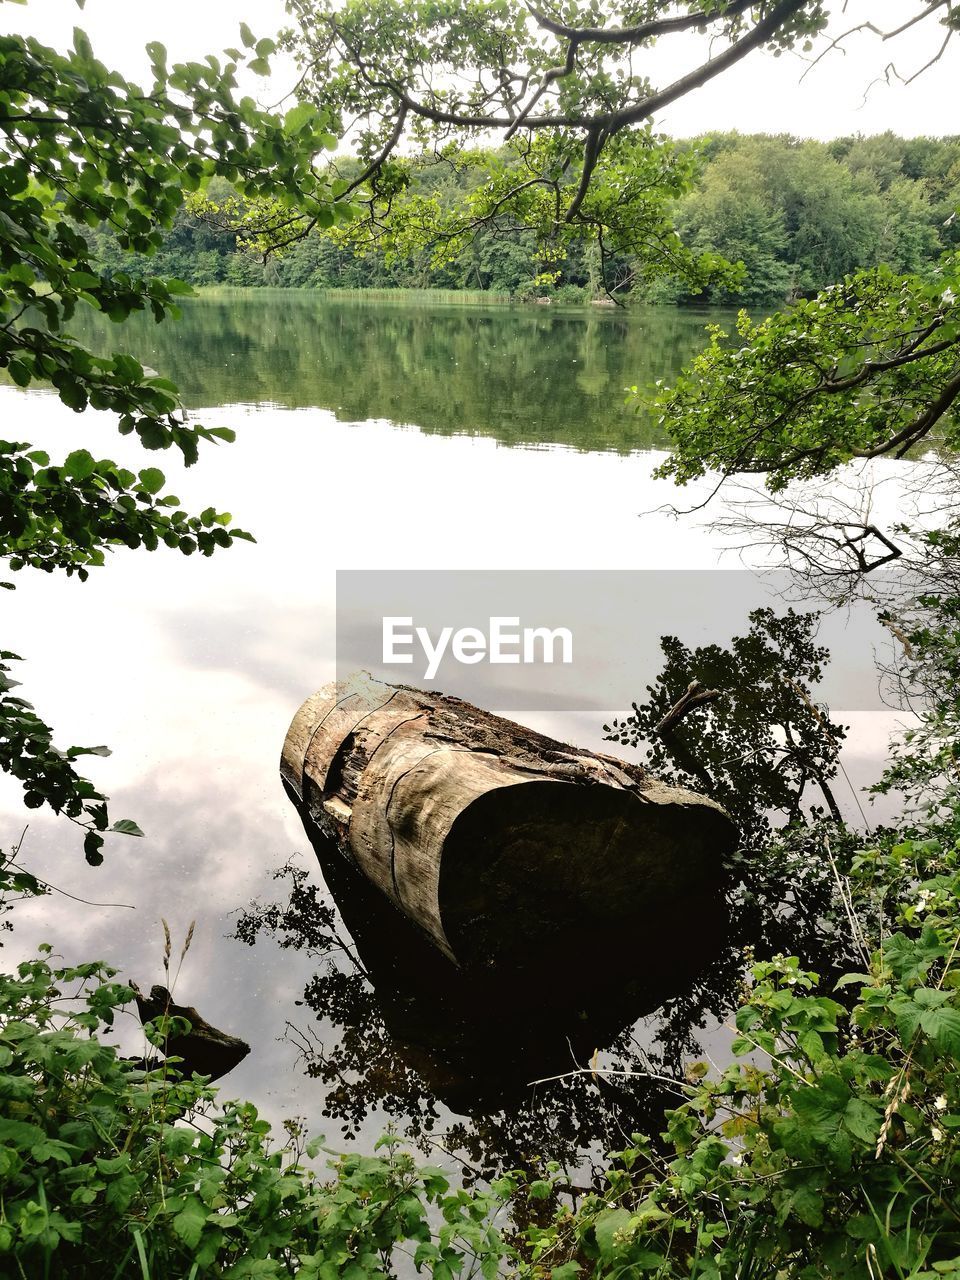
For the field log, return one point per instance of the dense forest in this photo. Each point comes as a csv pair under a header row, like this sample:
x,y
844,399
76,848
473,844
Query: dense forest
x,y
798,214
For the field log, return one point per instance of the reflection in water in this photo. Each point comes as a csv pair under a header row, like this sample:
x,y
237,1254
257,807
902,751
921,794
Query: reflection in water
x,y
189,670
522,375
416,1036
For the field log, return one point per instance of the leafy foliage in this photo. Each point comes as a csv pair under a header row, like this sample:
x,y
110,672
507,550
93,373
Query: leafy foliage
x,y
829,1148
797,214
564,85
924,764
826,1148
82,148
867,367
111,1170
48,774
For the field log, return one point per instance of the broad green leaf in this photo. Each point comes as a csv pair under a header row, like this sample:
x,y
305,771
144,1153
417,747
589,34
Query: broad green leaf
x,y
152,479
126,827
942,1025
608,1226
80,464
190,1221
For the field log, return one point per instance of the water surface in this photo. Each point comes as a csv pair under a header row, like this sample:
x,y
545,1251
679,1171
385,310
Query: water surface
x,y
529,375
369,436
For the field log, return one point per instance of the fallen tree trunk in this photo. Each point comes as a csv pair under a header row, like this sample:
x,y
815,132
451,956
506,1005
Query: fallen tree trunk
x,y
500,843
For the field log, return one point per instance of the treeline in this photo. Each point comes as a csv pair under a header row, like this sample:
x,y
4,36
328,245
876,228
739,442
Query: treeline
x,y
798,214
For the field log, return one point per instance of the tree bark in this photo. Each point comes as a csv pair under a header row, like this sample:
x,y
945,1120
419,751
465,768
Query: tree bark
x,y
500,843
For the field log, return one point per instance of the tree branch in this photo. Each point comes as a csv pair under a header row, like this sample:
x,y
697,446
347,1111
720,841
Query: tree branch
x,y
643,30
695,696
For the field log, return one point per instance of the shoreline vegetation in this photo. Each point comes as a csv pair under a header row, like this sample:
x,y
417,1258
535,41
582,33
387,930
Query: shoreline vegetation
x,y
797,214
458,297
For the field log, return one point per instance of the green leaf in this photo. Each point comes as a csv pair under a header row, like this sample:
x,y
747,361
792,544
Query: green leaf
x,y
942,1025
127,369
190,1221
92,844
152,479
157,53
80,464
863,1120
126,827
807,1203
298,117
606,1227
52,1149
152,435
19,1133
83,280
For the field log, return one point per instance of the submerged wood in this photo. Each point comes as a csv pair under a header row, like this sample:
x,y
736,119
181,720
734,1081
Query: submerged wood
x,y
204,1049
478,1037
502,844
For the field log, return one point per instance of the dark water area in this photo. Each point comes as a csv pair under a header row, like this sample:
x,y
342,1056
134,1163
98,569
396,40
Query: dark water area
x,y
491,1069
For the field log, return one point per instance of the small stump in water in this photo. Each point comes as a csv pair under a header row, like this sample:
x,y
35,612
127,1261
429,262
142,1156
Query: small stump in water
x,y
203,1049
511,850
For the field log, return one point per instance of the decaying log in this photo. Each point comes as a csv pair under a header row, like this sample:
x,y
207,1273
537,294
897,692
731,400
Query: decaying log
x,y
204,1049
497,841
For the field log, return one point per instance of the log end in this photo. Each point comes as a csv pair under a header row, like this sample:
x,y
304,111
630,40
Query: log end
x,y
540,872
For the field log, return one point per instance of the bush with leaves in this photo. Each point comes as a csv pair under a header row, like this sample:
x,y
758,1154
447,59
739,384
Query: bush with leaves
x,y
870,367
830,1147
110,1170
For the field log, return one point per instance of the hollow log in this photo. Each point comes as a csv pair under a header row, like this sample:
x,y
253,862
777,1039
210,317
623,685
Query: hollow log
x,y
500,843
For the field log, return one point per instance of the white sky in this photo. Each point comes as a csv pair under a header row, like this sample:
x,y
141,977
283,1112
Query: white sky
x,y
763,94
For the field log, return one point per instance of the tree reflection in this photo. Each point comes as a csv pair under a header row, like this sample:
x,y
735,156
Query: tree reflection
x,y
401,1030
764,749
758,743
451,370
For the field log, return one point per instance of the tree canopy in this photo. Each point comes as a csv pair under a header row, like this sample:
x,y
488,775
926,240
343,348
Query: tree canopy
x,y
445,71
868,367
798,214
567,89
864,369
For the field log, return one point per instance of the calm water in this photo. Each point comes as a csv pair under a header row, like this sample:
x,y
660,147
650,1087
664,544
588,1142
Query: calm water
x,y
521,375
369,436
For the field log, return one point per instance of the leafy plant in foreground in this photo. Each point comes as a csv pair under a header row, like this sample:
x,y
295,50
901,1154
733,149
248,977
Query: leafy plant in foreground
x,y
830,1147
108,1170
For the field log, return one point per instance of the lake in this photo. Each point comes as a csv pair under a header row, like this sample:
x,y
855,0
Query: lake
x,y
372,435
